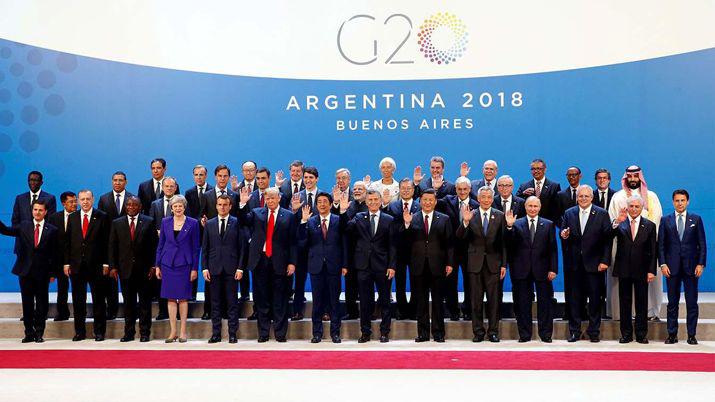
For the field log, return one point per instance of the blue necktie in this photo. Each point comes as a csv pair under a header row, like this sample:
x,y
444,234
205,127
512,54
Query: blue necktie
x,y
485,224
119,204
681,227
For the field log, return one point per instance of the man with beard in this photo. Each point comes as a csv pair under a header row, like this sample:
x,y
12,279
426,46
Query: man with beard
x,y
634,182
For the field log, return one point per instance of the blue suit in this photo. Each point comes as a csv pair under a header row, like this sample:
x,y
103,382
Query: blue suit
x,y
177,256
301,267
22,209
326,259
394,209
682,256
221,257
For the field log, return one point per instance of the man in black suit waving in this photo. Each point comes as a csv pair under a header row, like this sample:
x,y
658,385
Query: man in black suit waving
x,y
36,249
430,236
544,189
86,263
132,250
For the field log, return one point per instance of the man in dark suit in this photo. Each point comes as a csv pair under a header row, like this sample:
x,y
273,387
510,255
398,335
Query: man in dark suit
x,y
451,205
682,253
544,189
604,193
22,208
489,176
372,235
132,250
249,170
86,263
159,210
634,266
307,196
288,188
342,187
59,220
483,230
504,200
436,181
113,203
195,195
271,257
221,264
430,236
323,237
587,243
151,189
533,263
396,209
36,249
566,198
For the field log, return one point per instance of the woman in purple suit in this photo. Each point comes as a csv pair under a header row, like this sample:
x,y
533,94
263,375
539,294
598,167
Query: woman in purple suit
x,y
177,262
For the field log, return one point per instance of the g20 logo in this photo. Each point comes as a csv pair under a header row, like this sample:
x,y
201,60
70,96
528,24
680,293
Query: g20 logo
x,y
442,39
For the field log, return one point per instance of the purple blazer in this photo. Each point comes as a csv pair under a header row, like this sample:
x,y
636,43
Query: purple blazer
x,y
184,250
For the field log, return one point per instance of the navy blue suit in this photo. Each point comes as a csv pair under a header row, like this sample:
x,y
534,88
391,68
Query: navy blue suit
x,y
221,257
147,194
530,263
34,266
326,258
447,188
583,252
682,256
270,280
22,210
394,209
301,267
549,190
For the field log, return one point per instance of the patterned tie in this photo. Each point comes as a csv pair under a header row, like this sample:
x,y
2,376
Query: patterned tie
x,y
489,184
681,227
250,187
85,226
34,198
426,225
324,227
269,234
485,223
532,230
373,224
131,228
633,229
118,204
37,234
537,190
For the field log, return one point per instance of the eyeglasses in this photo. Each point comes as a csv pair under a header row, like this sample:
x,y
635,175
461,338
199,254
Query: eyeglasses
x,y
505,185
537,168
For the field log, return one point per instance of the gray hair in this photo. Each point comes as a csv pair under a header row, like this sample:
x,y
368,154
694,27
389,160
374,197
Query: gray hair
x,y
343,170
585,187
206,171
485,189
272,191
437,159
490,162
178,198
462,180
388,160
634,197
359,183
505,177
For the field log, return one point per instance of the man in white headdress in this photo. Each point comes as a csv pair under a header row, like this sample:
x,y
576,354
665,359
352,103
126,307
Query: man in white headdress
x,y
633,182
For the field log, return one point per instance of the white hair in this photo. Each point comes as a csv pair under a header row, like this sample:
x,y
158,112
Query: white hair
x,y
388,160
586,187
635,197
505,177
490,162
463,180
343,170
485,189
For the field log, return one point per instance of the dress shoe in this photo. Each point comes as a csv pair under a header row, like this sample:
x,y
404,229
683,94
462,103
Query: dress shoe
x,y
644,341
420,339
183,340
206,317
297,317
364,338
215,339
232,339
99,338
478,338
262,339
253,316
171,339
574,338
439,339
454,317
384,338
62,318
654,318
316,339
625,339
671,339
692,340
144,338
281,339
244,299
28,339
162,317
111,317
524,340
594,339
326,317
350,317
78,338
546,339
467,317
494,338
39,339
336,339
126,338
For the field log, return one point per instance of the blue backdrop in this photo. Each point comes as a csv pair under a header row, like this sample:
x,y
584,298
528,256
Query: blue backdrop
x,y
79,119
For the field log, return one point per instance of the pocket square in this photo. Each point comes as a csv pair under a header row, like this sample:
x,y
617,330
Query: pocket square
x,y
692,226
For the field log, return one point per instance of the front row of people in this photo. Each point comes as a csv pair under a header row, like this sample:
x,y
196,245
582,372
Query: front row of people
x,y
489,239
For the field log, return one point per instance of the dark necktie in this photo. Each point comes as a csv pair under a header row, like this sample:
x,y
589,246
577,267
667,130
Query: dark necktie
x,y
532,229
324,227
573,194
406,207
310,201
131,228
201,197
504,206
681,226
485,223
118,203
34,198
223,228
602,201
250,187
157,191
373,224
426,225
261,201
37,234
295,188
167,210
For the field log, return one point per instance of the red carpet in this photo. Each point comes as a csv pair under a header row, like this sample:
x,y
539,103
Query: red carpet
x,y
331,360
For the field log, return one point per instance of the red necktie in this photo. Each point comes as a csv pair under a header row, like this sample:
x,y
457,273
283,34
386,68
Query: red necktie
x,y
325,229
131,229
269,235
85,226
261,202
426,225
250,187
37,234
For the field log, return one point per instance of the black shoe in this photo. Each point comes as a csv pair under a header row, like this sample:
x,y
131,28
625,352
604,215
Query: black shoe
x,y
281,340
336,339
574,338
62,318
454,317
594,339
420,339
215,339
642,340
297,317
126,338
39,339
671,339
78,338
439,339
654,318
111,317
524,340
384,338
350,317
546,339
244,299
494,338
625,339
144,338
692,340
316,339
162,317
364,338
478,338
28,339
467,317
253,316
206,317
99,338
262,339
232,339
